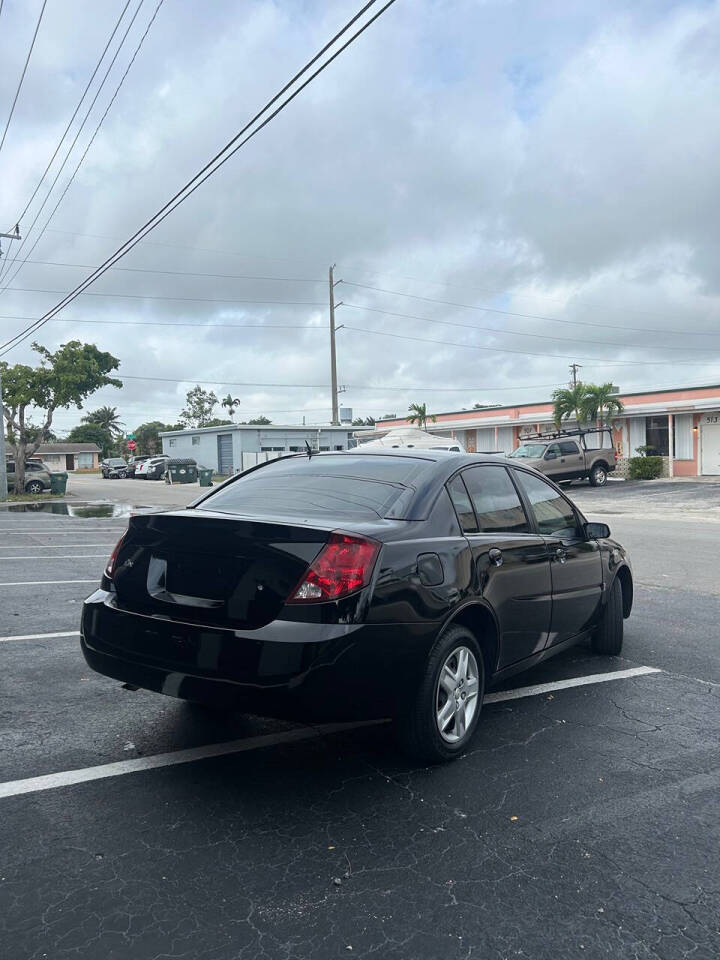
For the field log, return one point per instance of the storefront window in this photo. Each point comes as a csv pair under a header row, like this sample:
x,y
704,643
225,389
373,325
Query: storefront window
x,y
657,436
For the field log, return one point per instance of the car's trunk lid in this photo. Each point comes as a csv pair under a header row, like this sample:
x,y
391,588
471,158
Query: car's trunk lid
x,y
209,569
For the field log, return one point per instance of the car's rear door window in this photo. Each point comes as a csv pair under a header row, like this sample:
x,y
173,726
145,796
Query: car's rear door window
x,y
463,505
554,515
495,499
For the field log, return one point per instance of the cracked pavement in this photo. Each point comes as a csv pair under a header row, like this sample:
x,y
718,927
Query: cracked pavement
x,y
582,823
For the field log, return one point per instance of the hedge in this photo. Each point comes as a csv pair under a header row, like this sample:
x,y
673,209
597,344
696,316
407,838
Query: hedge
x,y
645,468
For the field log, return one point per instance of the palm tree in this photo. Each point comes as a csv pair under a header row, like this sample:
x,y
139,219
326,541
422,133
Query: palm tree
x,y
231,404
107,418
419,415
600,403
569,403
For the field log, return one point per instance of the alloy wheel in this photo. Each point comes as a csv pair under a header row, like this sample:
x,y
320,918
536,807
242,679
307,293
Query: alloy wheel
x,y
456,697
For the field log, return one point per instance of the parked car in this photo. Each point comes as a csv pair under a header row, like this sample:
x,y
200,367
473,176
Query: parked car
x,y
566,456
113,468
133,463
153,468
37,476
389,584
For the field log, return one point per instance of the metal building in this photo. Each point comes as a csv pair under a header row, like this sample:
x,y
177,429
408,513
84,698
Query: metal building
x,y
234,447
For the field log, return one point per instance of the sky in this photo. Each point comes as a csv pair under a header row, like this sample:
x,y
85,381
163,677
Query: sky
x,y
504,187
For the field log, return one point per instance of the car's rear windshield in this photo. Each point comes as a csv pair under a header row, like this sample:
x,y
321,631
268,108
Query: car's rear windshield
x,y
323,486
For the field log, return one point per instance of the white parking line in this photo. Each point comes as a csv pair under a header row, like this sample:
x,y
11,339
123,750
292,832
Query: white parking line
x,y
40,636
38,583
65,778
54,546
62,556
539,688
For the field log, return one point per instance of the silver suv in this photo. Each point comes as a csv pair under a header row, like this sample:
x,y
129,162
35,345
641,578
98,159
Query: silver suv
x,y
37,476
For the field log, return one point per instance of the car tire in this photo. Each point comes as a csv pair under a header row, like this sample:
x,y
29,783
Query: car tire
x,y
34,486
121,475
598,476
608,637
418,729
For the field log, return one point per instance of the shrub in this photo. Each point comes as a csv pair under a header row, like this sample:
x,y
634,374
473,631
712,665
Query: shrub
x,y
645,468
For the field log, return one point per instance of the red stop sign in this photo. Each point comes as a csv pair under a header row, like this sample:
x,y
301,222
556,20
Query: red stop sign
x,y
131,445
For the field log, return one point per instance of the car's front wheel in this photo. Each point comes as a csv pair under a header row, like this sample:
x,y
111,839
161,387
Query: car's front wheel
x,y
35,486
441,720
598,476
608,637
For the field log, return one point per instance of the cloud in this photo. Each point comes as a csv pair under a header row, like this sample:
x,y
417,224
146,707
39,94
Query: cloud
x,y
556,162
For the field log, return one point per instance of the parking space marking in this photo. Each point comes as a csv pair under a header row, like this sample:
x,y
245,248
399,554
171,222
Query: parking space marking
x,y
539,688
65,778
62,556
53,546
39,583
40,636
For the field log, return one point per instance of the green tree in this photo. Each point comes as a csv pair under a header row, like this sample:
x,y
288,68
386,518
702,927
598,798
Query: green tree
x,y
64,378
259,422
199,406
419,415
92,433
231,404
107,418
218,422
147,436
601,403
569,402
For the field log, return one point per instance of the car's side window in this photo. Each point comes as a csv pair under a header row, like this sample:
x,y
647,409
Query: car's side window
x,y
568,447
553,451
496,501
463,507
554,516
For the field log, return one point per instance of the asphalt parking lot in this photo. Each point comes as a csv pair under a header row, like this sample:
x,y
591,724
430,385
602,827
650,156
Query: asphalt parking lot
x,y
583,822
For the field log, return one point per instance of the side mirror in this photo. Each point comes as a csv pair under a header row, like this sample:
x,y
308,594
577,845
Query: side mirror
x,y
551,455
596,531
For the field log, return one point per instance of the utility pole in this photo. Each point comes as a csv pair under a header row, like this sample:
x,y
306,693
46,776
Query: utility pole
x,y
3,461
574,367
333,360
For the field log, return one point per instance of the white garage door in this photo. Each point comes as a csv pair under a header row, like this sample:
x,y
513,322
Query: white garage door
x,y
710,440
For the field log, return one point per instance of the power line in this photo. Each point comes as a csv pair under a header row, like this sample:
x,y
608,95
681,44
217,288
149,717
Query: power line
x,y
79,130
175,323
180,273
143,296
525,353
522,333
526,316
77,108
220,158
323,386
22,75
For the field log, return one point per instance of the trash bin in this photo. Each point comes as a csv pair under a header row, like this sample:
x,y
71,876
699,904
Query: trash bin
x,y
205,475
180,470
58,482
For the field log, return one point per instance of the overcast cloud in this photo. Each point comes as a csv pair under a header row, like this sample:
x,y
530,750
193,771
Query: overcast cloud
x,y
556,159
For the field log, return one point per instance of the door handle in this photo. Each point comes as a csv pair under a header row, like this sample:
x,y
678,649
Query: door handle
x,y
495,556
561,555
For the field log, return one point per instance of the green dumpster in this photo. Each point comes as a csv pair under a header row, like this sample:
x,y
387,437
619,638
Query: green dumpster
x,y
205,475
58,482
181,470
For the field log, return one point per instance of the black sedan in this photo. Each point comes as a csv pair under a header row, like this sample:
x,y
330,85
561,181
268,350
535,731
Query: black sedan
x,y
345,585
113,468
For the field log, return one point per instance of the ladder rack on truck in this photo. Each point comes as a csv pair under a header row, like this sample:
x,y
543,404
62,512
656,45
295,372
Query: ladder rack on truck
x,y
577,433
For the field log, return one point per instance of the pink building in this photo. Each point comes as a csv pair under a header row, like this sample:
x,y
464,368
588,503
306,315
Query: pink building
x,y
682,425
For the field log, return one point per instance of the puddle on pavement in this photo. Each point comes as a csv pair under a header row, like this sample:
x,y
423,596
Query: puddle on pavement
x,y
86,510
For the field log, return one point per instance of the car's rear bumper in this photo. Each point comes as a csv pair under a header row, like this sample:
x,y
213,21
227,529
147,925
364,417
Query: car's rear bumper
x,y
323,671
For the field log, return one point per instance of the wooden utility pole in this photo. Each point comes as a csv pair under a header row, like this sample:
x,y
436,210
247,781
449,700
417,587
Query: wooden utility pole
x,y
333,361
574,367
3,462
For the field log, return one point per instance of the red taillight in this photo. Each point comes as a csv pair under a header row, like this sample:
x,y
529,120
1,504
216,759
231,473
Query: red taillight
x,y
343,566
110,567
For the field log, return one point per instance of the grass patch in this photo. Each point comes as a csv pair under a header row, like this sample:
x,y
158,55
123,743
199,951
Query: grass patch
x,y
33,497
